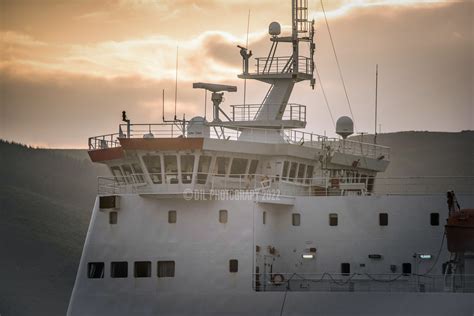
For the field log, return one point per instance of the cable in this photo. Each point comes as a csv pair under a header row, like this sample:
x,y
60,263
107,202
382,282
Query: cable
x,y
324,94
338,65
437,256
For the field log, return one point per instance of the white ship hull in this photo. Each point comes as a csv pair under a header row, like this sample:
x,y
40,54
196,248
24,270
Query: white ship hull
x,y
201,248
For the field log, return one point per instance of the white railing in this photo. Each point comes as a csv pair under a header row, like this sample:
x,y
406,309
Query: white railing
x,y
175,130
363,282
250,112
281,64
209,183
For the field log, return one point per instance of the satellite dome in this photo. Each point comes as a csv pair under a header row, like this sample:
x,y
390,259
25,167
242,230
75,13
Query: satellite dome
x,y
198,127
344,126
274,29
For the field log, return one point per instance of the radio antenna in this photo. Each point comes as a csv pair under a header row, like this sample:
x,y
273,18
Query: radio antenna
x,y
247,47
176,84
163,102
376,99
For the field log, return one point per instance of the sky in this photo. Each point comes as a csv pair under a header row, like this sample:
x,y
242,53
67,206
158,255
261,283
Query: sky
x,y
69,68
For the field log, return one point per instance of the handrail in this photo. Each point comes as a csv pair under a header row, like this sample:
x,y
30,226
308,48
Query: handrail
x,y
291,136
250,112
362,282
285,185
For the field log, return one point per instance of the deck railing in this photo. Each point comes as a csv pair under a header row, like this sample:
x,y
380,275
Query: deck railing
x,y
364,282
281,64
175,130
212,183
250,112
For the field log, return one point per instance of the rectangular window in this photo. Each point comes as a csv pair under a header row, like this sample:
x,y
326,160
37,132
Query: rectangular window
x,y
119,269
238,167
142,269
203,169
223,216
127,170
253,166
383,219
345,268
434,219
233,265
138,173
108,202
153,164
309,174
187,167
222,164
165,269
171,169
301,171
284,174
296,219
406,268
333,219
172,217
113,217
264,218
293,168
95,270
370,184
118,174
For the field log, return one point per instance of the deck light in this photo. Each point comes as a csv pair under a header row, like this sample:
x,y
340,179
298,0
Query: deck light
x,y
308,256
424,256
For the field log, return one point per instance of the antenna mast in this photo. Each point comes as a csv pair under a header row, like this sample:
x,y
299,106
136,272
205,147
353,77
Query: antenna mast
x,y
176,85
247,47
376,99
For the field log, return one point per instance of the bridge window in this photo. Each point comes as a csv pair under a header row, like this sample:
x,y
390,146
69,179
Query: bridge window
x,y
345,268
204,167
171,169
138,176
166,269
119,269
172,217
296,219
127,170
142,269
117,174
187,167
383,219
113,217
301,170
223,216
95,270
309,173
153,164
238,167
253,166
333,220
233,265
284,174
434,219
293,168
222,164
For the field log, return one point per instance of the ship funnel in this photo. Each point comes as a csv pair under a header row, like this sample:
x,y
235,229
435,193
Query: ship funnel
x,y
344,127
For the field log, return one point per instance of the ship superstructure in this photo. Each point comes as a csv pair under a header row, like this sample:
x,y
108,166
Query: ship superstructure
x,y
249,215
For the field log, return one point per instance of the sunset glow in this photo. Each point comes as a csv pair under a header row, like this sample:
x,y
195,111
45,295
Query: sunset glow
x,y
74,43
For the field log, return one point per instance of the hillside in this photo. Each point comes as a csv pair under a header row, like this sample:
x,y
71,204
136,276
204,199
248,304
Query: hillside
x,y
46,197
